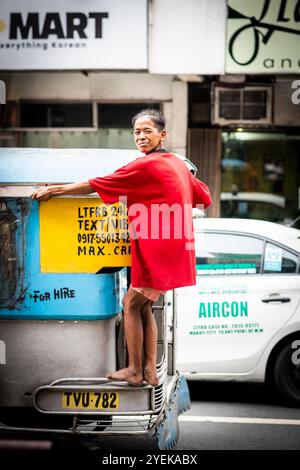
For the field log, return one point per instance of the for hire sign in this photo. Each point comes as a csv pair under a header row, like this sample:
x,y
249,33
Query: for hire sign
x,y
263,36
71,34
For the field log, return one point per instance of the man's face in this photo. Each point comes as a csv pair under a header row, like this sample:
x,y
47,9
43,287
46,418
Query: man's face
x,y
146,135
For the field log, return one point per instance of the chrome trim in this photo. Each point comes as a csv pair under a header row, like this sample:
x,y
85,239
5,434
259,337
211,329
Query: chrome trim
x,y
61,388
157,394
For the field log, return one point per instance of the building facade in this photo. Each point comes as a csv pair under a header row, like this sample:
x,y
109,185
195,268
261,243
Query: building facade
x,y
225,74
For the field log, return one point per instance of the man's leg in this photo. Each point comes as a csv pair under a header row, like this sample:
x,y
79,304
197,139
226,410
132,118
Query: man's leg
x,y
150,344
133,326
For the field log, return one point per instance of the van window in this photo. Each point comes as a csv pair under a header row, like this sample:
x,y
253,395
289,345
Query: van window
x,y
220,254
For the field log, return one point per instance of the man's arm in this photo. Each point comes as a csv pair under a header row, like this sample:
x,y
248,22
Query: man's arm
x,y
201,194
44,193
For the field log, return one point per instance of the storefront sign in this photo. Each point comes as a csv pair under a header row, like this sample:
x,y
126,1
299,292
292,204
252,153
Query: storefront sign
x,y
82,236
263,36
68,34
187,37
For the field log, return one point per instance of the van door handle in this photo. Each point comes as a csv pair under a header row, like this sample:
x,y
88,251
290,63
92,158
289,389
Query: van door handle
x,y
275,298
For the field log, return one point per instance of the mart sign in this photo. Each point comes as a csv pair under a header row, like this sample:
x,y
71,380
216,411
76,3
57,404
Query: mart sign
x,y
68,34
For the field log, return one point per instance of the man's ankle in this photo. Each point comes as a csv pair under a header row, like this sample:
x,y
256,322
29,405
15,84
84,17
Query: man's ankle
x,y
150,366
135,370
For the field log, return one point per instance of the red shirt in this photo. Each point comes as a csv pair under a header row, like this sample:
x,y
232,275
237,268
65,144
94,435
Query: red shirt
x,y
160,193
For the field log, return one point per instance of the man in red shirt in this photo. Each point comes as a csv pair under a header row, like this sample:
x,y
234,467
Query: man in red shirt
x,y
160,193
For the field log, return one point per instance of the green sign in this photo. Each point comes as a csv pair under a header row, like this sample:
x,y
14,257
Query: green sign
x,y
263,36
226,268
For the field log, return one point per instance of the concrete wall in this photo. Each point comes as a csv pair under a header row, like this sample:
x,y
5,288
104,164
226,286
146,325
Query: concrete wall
x,y
108,87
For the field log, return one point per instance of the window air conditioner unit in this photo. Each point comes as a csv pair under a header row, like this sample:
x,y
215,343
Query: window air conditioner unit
x,y
246,105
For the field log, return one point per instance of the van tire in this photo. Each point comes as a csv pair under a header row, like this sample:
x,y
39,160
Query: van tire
x,y
287,371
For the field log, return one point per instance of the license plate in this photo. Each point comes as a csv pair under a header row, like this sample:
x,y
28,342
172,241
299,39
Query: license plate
x,y
90,400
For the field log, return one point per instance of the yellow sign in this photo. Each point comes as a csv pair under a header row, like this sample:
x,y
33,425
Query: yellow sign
x,y
80,235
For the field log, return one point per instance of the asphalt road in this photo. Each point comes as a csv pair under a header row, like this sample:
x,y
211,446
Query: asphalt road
x,y
238,416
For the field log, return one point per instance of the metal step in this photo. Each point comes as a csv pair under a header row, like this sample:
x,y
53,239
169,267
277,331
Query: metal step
x,y
98,396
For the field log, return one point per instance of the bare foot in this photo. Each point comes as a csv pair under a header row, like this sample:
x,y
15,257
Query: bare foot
x,y
150,375
127,375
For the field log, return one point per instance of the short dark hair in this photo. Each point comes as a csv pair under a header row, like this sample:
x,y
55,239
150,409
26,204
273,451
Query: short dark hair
x,y
155,116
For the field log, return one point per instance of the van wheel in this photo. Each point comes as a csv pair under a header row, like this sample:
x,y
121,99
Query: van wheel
x,y
287,371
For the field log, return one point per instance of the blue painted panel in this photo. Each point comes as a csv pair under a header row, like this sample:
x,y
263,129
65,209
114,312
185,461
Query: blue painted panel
x,y
54,296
